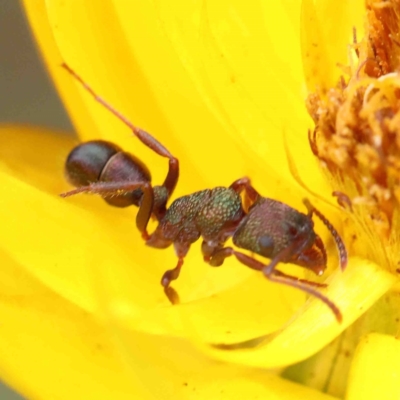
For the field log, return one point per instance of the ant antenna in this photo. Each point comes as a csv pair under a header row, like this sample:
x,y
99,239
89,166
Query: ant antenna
x,y
338,240
145,137
142,135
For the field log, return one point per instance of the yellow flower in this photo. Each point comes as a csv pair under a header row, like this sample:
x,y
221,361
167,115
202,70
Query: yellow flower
x,y
221,85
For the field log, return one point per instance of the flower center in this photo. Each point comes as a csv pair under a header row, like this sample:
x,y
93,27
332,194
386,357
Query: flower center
x,y
357,134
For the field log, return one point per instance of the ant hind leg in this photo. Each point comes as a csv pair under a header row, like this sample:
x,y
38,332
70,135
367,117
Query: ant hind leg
x,y
250,193
106,189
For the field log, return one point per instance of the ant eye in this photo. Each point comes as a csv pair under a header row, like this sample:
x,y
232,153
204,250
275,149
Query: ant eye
x,y
266,242
292,230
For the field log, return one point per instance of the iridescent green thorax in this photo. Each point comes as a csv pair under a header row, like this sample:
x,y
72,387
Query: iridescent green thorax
x,y
206,213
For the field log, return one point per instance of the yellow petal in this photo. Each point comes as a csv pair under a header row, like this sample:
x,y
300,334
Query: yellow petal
x,y
375,371
35,156
61,248
87,48
205,143
125,70
247,73
124,275
210,380
51,349
47,238
56,240
231,314
104,60
43,235
328,369
314,326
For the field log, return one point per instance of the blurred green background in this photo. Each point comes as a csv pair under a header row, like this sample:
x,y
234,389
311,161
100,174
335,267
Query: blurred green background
x,y
26,93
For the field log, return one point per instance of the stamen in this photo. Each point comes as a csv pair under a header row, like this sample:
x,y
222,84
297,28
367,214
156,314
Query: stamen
x,y
357,134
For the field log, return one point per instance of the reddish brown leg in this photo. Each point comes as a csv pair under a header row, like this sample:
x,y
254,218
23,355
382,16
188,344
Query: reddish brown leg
x,y
251,195
295,278
147,139
276,276
209,250
181,250
169,276
112,188
219,256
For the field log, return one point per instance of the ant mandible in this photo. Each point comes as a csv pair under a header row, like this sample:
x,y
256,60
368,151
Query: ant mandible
x,y
264,226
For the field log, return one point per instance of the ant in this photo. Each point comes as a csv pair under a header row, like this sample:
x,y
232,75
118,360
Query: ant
x,y
261,225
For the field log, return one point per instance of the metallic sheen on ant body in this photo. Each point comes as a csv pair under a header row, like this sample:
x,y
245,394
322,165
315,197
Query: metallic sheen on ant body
x,y
261,225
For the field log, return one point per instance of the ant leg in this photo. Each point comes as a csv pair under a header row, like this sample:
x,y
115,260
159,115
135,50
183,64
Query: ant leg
x,y
211,251
251,194
259,266
338,240
334,308
181,250
166,279
276,276
111,188
218,257
145,137
294,278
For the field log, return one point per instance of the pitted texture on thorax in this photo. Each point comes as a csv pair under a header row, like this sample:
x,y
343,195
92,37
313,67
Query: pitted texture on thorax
x,y
271,226
203,213
179,223
222,212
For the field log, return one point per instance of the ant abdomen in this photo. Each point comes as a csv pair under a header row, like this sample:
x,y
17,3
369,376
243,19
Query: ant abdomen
x,y
101,161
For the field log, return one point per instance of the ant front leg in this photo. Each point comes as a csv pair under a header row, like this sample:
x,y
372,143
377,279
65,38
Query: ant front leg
x,y
270,270
218,257
117,188
275,275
